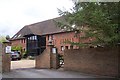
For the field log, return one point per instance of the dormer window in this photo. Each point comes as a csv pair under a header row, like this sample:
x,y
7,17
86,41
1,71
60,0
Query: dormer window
x,y
19,35
14,36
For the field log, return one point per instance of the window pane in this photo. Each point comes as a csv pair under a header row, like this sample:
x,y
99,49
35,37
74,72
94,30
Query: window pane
x,y
62,48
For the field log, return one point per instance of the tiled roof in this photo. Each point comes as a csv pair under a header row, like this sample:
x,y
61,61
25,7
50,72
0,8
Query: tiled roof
x,y
40,28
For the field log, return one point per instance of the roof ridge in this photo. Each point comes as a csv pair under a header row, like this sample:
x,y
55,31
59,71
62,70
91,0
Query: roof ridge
x,y
43,21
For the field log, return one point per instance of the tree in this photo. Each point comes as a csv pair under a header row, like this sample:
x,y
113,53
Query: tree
x,y
100,18
2,39
16,48
7,37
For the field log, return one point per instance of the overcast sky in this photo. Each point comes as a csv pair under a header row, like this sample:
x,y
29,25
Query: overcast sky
x,y
15,14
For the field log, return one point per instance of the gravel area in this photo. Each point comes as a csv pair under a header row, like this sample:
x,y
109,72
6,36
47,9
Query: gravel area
x,y
22,64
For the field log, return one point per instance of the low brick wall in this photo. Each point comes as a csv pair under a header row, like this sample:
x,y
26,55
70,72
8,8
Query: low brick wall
x,y
47,59
0,58
43,60
98,61
6,62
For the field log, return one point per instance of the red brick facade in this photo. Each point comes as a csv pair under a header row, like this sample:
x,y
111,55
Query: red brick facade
x,y
58,40
19,42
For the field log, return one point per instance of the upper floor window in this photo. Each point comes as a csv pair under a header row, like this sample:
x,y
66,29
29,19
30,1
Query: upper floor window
x,y
33,38
24,40
50,37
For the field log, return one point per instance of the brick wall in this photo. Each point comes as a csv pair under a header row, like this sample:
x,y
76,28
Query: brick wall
x,y
47,59
6,62
43,60
99,61
0,58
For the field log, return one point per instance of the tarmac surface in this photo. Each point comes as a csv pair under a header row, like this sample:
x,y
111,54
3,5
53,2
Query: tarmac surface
x,y
26,69
46,73
0,76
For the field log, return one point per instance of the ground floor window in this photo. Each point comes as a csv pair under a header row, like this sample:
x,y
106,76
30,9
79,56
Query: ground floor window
x,y
66,47
62,48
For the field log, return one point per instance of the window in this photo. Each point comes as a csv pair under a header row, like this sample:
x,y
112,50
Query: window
x,y
62,48
66,47
61,41
24,49
71,47
30,38
72,40
50,37
21,40
35,37
24,40
14,36
19,35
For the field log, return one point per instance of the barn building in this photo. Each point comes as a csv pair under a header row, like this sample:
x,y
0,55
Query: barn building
x,y
34,38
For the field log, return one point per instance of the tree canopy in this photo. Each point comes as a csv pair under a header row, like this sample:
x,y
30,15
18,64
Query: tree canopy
x,y
2,39
16,48
101,19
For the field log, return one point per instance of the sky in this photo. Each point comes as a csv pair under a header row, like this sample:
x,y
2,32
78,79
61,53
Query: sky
x,y
15,14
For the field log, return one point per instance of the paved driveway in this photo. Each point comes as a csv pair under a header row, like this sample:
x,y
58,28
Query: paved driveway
x,y
45,73
0,76
25,69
